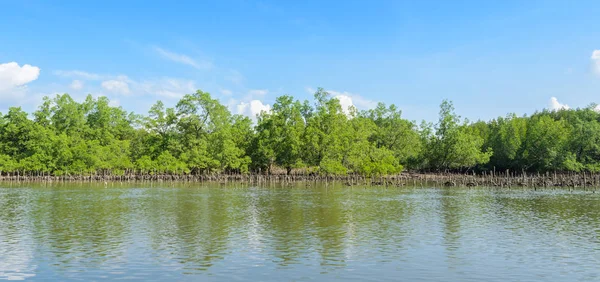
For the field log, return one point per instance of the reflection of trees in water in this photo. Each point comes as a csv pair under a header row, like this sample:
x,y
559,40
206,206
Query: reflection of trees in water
x,y
86,228
251,202
284,220
193,227
465,215
522,220
457,208
16,244
299,221
450,210
328,220
557,216
381,217
333,222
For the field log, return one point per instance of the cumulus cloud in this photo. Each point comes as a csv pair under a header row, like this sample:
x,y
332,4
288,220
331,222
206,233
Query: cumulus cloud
x,y
555,105
13,76
362,102
345,102
13,82
596,61
182,59
251,105
348,99
357,100
252,108
76,85
118,86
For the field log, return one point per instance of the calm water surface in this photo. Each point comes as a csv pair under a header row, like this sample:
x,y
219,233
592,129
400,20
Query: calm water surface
x,y
239,233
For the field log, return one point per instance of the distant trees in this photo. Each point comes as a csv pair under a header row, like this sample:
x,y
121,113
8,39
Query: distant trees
x,y
279,136
452,144
200,135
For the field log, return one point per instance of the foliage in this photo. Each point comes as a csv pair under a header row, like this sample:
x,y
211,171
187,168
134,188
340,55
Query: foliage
x,y
452,144
199,135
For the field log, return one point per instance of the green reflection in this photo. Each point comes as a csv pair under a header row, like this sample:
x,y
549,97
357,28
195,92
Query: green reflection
x,y
207,227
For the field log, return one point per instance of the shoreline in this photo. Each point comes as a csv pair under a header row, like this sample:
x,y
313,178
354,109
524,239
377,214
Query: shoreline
x,y
404,179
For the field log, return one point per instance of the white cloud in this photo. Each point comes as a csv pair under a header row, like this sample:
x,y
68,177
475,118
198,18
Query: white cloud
x,y
363,103
121,84
359,101
252,108
79,74
168,87
345,102
596,61
250,105
182,59
14,80
116,86
555,105
76,85
12,75
348,99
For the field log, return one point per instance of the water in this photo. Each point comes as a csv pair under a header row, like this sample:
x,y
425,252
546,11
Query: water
x,y
213,233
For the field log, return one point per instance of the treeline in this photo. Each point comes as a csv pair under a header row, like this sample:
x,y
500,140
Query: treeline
x,y
201,136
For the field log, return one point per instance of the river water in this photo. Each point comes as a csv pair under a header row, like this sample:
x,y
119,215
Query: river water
x,y
206,232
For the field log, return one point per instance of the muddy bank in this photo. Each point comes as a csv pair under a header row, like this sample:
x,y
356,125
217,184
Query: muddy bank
x,y
506,179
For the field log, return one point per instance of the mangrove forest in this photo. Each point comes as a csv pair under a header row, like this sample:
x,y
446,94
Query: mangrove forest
x,y
199,135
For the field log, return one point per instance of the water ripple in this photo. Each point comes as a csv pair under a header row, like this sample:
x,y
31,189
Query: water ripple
x,y
200,232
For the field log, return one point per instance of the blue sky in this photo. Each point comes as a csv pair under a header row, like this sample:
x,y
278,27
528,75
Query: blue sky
x,y
489,57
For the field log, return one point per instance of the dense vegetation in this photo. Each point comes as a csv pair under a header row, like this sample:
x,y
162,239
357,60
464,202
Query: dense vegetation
x,y
200,135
